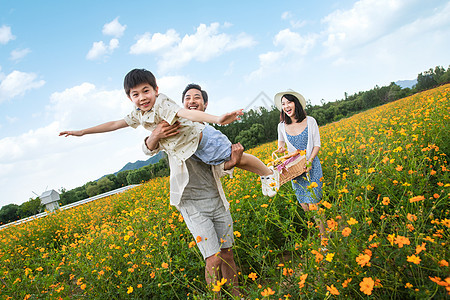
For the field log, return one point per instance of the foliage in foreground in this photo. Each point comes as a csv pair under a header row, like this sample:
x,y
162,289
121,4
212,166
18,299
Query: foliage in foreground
x,y
385,205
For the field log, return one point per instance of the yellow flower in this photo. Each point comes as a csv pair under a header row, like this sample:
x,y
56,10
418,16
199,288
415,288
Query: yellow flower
x,y
40,269
129,290
352,221
237,234
414,259
313,185
329,257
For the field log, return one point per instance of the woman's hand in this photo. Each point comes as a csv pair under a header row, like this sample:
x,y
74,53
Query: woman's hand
x,y
281,149
308,166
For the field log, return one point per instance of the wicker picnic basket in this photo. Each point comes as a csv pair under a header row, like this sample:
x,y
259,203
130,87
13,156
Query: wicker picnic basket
x,y
289,166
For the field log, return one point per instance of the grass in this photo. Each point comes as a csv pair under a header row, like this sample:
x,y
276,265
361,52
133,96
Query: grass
x,y
386,192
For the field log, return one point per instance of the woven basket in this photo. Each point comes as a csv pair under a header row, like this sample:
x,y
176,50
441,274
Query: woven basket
x,y
292,169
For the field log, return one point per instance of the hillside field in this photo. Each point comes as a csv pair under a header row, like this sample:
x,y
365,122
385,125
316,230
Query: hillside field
x,y
385,206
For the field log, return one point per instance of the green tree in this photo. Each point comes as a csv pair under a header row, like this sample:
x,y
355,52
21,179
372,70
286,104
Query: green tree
x,y
251,137
9,213
30,208
105,185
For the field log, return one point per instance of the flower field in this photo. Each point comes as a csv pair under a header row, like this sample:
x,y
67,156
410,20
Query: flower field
x,y
385,207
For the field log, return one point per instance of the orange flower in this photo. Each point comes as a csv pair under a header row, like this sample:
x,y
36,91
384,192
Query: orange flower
x,y
346,282
417,198
346,231
401,240
366,286
363,259
332,290
386,201
443,263
420,248
312,207
165,265
301,283
411,217
267,292
332,224
199,239
253,276
399,168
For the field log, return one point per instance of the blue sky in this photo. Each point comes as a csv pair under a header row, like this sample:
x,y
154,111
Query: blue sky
x,y
62,65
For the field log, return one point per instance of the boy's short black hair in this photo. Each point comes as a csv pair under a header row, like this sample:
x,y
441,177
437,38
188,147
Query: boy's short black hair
x,y
136,77
197,87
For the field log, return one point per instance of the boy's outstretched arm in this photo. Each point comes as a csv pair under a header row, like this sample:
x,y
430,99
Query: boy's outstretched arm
x,y
105,127
200,116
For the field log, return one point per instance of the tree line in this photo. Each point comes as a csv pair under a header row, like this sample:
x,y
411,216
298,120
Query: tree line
x,y
257,126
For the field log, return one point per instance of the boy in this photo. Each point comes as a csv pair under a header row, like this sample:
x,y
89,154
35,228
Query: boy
x,y
194,138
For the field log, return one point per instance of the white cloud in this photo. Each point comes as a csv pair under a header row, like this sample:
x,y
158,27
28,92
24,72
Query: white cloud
x,y
11,120
17,84
366,21
17,55
206,43
6,35
288,16
114,28
157,42
101,50
293,49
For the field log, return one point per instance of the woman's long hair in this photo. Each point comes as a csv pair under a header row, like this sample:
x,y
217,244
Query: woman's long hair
x,y
300,113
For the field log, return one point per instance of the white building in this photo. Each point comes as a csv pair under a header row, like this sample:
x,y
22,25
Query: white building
x,y
50,200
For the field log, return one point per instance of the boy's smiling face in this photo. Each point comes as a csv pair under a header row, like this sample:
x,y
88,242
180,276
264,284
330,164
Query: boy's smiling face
x,y
143,96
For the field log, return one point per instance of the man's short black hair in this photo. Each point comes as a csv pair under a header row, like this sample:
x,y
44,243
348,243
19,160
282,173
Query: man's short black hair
x,y
197,87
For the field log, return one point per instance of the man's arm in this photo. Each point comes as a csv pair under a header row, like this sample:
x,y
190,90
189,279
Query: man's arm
x,y
105,127
236,154
200,116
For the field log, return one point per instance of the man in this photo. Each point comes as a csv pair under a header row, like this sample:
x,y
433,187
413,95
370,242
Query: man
x,y
203,204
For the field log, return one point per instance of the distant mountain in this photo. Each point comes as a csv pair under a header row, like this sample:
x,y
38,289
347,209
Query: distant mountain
x,y
406,83
140,163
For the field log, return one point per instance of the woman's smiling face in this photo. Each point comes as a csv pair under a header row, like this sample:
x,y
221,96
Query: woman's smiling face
x,y
288,107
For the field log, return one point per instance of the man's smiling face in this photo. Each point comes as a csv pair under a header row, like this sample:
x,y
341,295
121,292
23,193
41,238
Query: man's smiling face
x,y
193,100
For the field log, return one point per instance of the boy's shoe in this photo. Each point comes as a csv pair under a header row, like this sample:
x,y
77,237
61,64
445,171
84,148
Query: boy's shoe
x,y
264,185
270,184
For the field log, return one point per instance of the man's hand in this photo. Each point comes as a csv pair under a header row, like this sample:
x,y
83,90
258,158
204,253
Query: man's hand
x,y
230,117
162,130
236,154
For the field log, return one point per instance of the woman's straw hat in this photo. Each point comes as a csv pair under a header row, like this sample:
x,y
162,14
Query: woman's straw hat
x,y
278,96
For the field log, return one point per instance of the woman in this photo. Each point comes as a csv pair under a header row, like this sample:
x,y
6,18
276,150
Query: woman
x,y
298,131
